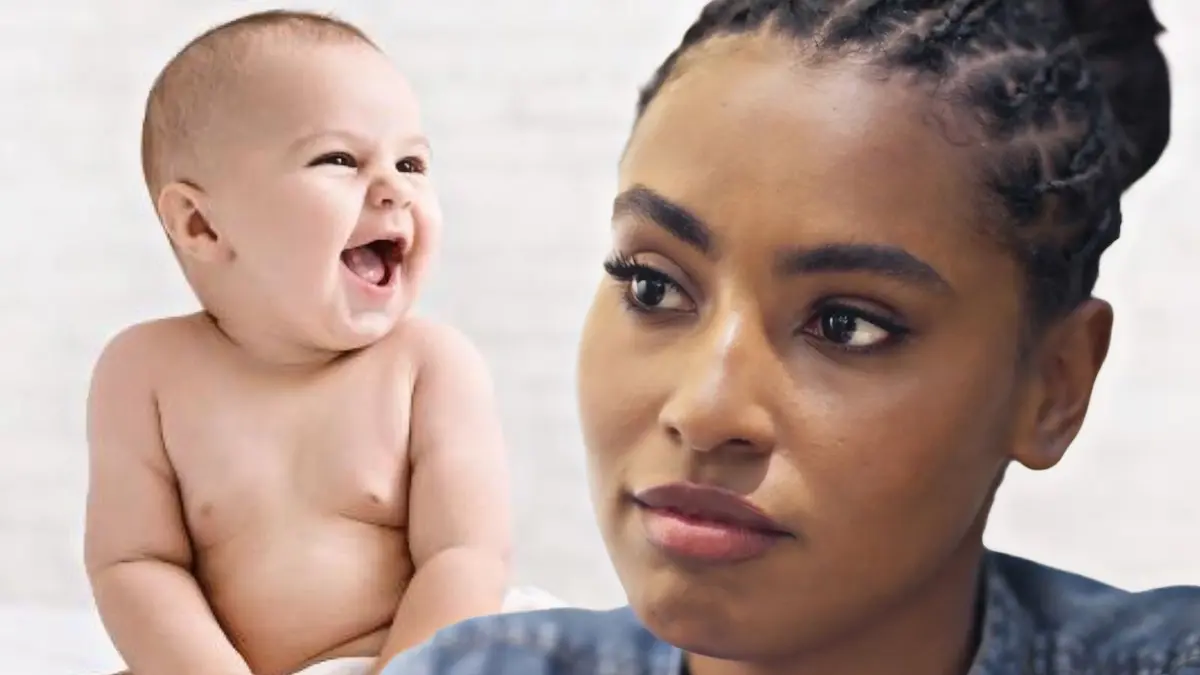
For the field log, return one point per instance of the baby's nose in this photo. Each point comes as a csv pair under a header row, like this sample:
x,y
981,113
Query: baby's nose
x,y
390,192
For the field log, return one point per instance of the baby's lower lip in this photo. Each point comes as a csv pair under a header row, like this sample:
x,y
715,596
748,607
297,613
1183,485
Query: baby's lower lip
x,y
377,289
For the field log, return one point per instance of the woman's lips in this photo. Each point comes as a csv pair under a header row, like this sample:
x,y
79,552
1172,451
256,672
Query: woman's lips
x,y
706,524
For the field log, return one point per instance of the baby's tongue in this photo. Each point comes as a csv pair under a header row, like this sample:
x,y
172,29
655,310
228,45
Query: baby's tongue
x,y
366,263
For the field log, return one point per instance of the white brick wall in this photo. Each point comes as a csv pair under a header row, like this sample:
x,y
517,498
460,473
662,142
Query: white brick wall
x,y
528,102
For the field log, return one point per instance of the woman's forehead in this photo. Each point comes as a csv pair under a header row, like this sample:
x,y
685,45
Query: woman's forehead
x,y
739,137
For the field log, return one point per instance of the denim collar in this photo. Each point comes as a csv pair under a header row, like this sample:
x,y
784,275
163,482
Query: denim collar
x,y
1007,634
1006,638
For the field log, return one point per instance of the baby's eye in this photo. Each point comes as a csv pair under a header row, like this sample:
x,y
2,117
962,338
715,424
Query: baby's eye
x,y
336,159
411,165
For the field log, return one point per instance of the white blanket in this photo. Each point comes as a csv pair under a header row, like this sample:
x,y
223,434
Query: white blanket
x,y
355,665
58,641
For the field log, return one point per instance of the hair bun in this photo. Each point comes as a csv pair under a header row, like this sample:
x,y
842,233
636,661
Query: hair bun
x,y
1119,41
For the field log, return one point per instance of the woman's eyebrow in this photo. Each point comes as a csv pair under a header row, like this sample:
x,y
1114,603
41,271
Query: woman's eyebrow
x,y
642,203
887,261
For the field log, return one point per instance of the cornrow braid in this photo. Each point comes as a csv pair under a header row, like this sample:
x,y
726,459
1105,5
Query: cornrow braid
x,y
870,22
1069,136
952,19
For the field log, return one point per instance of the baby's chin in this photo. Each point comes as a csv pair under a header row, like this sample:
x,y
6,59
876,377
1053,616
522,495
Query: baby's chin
x,y
365,329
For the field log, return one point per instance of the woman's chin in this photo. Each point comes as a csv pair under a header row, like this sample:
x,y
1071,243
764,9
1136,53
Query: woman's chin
x,y
709,636
697,620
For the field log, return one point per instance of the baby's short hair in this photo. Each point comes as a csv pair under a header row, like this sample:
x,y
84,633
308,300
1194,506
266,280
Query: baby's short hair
x,y
188,89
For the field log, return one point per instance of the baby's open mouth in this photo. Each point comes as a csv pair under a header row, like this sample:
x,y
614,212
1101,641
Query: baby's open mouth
x,y
374,262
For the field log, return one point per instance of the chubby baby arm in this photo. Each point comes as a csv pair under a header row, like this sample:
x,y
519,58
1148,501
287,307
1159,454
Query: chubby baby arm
x,y
459,529
136,547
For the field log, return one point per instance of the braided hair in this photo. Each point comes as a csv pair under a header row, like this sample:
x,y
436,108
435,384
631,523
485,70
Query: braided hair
x,y
1073,94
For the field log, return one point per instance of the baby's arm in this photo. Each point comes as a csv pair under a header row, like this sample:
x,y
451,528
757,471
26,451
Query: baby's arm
x,y
136,547
459,511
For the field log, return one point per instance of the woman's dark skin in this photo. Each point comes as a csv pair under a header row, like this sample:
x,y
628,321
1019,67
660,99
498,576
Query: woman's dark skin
x,y
838,337
854,249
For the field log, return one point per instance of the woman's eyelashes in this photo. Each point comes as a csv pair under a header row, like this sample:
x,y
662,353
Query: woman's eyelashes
x,y
849,328
410,164
839,324
646,289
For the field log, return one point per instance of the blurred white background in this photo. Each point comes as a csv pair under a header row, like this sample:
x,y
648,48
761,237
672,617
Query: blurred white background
x,y
528,102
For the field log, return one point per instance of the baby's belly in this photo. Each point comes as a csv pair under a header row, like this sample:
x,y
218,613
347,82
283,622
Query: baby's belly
x,y
287,596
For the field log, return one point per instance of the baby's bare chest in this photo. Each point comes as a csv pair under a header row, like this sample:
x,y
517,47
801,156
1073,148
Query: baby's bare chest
x,y
253,454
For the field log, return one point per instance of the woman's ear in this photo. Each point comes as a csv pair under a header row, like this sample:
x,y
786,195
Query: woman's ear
x,y
181,207
1063,372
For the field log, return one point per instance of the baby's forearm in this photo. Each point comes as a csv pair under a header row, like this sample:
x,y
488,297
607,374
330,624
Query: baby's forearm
x,y
160,621
455,585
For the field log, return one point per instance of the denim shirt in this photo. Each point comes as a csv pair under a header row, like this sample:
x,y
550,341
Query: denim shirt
x,y
1037,621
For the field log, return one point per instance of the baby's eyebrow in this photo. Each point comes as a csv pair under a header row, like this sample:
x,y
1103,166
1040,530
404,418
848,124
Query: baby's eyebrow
x,y
316,135
413,140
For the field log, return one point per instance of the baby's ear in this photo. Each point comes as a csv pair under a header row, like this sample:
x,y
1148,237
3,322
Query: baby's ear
x,y
181,209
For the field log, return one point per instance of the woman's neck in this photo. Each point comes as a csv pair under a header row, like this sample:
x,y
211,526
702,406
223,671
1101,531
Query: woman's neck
x,y
932,631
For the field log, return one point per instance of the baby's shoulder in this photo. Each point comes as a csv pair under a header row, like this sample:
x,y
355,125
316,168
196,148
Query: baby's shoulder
x,y
430,339
434,345
563,641
148,347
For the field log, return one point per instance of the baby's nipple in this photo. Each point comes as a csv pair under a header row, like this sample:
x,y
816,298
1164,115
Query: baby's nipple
x,y
367,263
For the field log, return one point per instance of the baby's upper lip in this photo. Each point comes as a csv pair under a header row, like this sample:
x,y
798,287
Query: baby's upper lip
x,y
367,235
711,503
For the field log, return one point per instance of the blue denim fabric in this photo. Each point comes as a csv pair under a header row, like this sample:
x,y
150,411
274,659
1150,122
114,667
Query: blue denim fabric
x,y
1037,621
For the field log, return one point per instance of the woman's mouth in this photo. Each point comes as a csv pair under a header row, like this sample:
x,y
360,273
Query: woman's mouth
x,y
706,524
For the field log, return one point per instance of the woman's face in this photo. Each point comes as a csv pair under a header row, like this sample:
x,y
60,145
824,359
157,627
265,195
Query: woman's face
x,y
804,312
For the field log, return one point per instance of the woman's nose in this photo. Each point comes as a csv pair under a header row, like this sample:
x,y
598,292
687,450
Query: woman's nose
x,y
720,402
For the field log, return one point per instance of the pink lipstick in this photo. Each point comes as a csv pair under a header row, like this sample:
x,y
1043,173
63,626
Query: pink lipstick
x,y
707,524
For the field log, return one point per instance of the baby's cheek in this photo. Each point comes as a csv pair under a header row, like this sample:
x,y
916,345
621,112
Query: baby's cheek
x,y
428,211
427,226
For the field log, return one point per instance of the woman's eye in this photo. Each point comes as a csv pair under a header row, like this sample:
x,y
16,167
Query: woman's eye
x,y
344,159
653,292
850,328
645,288
411,165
